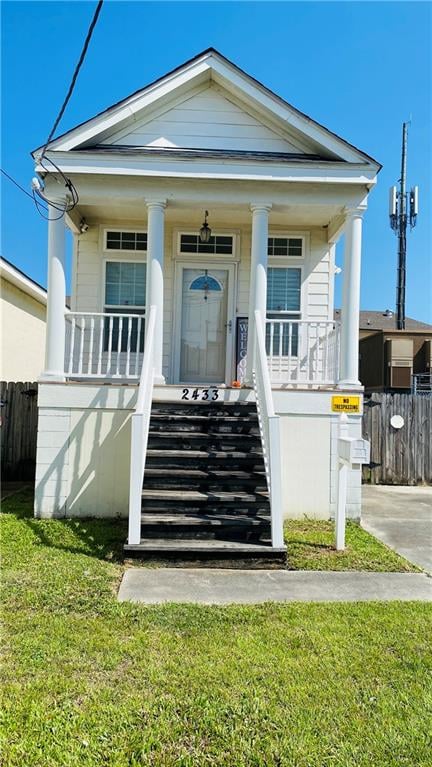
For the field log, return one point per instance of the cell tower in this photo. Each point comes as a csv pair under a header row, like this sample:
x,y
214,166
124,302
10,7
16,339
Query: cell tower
x,y
398,222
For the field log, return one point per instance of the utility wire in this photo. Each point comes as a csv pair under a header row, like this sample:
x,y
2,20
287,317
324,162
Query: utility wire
x,y
75,74
72,192
21,188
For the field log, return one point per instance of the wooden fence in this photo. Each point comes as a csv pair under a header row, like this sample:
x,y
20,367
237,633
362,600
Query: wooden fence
x,y
18,413
398,456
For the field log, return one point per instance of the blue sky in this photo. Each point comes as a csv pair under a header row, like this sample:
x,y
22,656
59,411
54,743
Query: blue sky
x,y
338,62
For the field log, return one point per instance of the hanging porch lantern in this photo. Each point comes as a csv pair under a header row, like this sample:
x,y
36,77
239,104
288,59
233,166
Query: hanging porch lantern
x,y
205,231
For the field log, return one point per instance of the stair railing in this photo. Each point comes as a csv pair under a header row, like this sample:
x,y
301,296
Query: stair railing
x,y
269,426
140,422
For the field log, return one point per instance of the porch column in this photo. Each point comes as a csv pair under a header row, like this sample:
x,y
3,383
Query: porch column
x,y
349,343
258,277
56,294
155,280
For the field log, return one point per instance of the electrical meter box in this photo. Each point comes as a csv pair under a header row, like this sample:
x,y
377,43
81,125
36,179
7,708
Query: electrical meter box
x,y
354,450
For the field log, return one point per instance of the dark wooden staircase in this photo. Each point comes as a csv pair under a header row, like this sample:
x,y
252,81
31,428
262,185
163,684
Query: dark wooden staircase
x,y
205,498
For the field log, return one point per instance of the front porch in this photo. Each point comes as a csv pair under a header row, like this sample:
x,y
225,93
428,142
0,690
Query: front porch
x,y
110,347
249,327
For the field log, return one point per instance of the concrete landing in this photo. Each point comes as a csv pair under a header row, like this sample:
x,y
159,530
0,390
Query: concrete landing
x,y
400,517
221,587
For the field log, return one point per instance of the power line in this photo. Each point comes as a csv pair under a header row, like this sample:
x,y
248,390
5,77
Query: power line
x,y
75,74
21,188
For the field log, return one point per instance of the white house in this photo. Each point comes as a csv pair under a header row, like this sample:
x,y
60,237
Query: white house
x,y
23,308
250,303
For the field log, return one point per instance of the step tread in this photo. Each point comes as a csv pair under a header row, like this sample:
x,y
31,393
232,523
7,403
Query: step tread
x,y
212,474
196,519
189,417
212,545
201,435
196,495
202,453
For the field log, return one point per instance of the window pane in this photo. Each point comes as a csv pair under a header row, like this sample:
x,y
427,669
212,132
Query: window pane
x,y
125,284
126,241
285,246
283,289
190,243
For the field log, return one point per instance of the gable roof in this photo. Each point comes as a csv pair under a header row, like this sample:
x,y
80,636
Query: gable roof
x,y
373,320
211,66
21,280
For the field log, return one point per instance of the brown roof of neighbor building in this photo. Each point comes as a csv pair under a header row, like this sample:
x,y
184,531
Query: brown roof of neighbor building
x,y
372,320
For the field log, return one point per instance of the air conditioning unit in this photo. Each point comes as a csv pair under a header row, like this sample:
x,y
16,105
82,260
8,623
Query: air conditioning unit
x,y
399,358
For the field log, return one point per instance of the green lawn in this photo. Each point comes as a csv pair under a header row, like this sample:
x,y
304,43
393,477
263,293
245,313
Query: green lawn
x,y
310,546
88,682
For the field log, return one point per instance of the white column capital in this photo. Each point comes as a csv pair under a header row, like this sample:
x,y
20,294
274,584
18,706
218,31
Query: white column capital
x,y
264,206
357,212
155,203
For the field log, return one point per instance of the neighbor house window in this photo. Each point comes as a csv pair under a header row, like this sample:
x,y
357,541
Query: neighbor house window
x,y
217,244
283,303
126,240
125,290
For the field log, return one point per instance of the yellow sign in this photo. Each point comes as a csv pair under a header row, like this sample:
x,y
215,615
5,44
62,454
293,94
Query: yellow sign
x,y
346,404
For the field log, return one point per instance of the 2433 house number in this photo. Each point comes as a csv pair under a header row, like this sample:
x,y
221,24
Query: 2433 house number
x,y
203,394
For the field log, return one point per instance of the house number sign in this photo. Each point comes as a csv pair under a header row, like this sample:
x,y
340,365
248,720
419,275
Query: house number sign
x,y
210,395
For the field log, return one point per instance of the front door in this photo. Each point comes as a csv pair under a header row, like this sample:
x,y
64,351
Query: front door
x,y
203,332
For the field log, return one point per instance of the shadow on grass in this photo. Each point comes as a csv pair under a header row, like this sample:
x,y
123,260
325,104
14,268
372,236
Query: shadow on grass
x,y
99,538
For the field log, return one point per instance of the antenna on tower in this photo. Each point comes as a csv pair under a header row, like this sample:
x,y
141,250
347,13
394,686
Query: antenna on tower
x,y
399,215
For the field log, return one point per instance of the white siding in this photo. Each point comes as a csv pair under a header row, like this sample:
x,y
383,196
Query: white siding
x,y
317,275
207,120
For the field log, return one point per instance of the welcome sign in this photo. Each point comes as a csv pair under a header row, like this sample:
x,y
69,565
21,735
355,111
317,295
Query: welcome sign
x,y
241,348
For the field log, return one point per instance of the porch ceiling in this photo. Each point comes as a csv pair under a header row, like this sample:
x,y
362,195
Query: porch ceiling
x,y
293,204
192,215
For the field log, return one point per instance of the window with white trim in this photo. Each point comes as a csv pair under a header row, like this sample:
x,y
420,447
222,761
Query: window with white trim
x,y
288,247
218,244
117,240
125,290
283,303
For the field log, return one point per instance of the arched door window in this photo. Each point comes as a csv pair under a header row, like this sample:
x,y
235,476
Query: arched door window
x,y
205,282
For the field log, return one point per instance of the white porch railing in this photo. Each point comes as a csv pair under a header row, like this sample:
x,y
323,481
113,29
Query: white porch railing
x,y
270,432
303,351
100,345
140,430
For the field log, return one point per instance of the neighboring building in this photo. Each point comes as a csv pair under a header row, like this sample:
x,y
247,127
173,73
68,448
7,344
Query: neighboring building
x,y
23,325
280,190
391,359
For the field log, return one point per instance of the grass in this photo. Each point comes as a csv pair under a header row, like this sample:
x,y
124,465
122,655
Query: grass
x,y
310,546
89,682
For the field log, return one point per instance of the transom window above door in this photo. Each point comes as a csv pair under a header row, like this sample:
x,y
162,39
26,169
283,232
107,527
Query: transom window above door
x,y
218,244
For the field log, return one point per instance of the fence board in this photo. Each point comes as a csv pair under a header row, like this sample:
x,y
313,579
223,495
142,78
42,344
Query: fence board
x,y
18,414
398,456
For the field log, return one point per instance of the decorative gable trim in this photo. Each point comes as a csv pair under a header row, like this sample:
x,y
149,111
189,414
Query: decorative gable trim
x,y
196,73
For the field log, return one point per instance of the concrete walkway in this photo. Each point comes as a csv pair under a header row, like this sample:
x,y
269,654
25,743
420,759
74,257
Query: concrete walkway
x,y
221,587
401,517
